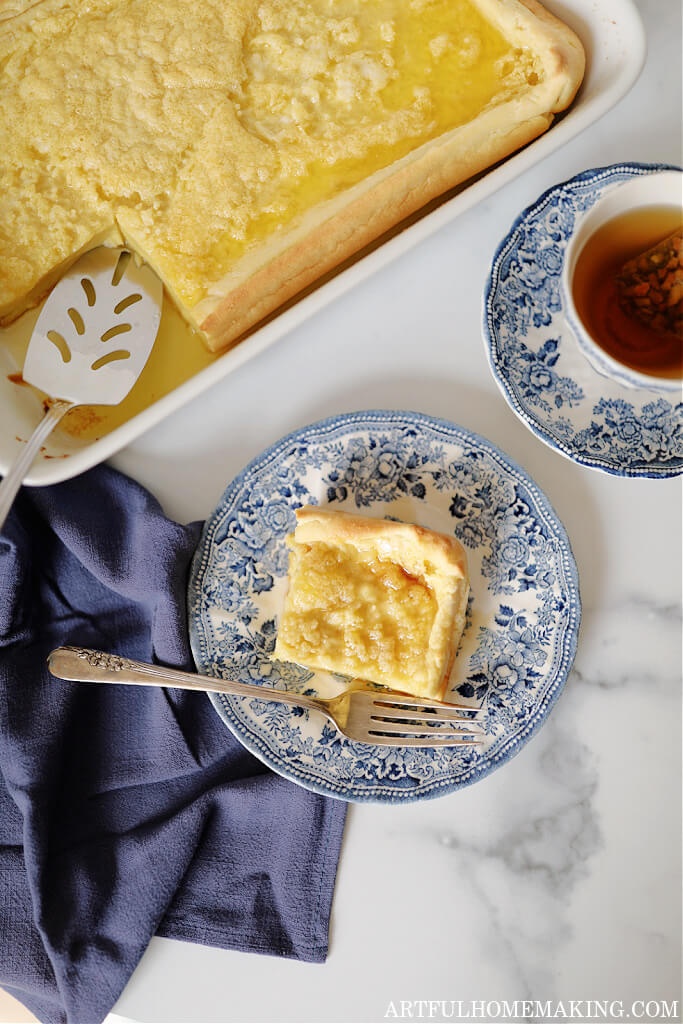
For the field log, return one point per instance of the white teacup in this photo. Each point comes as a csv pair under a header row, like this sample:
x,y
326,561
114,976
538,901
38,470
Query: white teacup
x,y
664,188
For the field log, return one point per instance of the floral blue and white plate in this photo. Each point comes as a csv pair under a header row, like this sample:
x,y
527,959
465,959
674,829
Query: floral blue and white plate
x,y
536,359
523,617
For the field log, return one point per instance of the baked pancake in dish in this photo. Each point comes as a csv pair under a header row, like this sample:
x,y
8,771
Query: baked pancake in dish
x,y
244,148
375,599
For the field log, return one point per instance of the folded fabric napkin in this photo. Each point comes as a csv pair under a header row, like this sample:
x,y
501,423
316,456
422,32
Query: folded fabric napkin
x,y
128,811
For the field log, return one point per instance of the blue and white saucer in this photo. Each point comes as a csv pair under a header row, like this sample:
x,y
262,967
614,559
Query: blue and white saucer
x,y
536,359
523,618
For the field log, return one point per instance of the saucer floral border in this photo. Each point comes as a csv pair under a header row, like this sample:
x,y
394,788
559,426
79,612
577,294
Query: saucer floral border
x,y
628,432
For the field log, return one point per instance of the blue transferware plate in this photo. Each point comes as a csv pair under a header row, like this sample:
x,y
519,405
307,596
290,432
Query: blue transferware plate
x,y
523,619
536,359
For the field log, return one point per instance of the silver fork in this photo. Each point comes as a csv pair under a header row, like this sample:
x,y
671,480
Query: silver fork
x,y
385,718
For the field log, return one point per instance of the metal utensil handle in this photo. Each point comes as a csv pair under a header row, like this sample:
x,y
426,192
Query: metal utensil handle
x,y
24,460
83,665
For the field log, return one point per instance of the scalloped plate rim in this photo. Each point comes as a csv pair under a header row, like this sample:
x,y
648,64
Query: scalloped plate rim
x,y
429,789
556,444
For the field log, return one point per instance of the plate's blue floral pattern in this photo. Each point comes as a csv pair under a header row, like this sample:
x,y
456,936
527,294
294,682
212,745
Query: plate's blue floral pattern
x,y
536,359
522,620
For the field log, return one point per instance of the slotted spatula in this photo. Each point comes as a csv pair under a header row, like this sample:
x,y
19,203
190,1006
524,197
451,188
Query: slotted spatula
x,y
90,343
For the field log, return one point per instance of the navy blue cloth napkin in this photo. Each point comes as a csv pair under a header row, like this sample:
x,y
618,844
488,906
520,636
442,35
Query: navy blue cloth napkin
x,y
125,811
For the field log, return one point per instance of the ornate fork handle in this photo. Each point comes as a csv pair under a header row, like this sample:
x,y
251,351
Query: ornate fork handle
x,y
83,665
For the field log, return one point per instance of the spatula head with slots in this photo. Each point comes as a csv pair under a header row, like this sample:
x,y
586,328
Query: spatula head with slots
x,y
96,329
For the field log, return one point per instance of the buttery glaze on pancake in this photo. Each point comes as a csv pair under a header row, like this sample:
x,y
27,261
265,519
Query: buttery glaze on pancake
x,y
244,147
381,600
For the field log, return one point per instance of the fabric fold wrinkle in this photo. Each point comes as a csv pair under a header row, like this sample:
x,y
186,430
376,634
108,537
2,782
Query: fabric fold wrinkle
x,y
130,811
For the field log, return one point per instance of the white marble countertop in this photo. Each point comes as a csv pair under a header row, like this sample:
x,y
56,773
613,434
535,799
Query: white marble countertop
x,y
557,877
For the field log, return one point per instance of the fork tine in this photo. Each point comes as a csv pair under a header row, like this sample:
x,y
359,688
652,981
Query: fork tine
x,y
395,700
419,728
432,717
422,741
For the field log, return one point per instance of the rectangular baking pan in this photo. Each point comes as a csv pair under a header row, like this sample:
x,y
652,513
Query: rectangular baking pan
x,y
613,36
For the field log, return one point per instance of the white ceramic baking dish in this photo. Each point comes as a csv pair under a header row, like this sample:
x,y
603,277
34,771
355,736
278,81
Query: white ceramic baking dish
x,y
613,36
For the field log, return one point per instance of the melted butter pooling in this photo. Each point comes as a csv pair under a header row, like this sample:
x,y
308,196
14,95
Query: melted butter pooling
x,y
198,131
366,613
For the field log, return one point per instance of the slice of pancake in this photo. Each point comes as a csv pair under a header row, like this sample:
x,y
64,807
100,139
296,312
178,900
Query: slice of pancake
x,y
374,599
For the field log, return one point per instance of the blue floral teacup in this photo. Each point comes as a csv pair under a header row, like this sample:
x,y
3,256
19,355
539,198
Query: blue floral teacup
x,y
664,189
